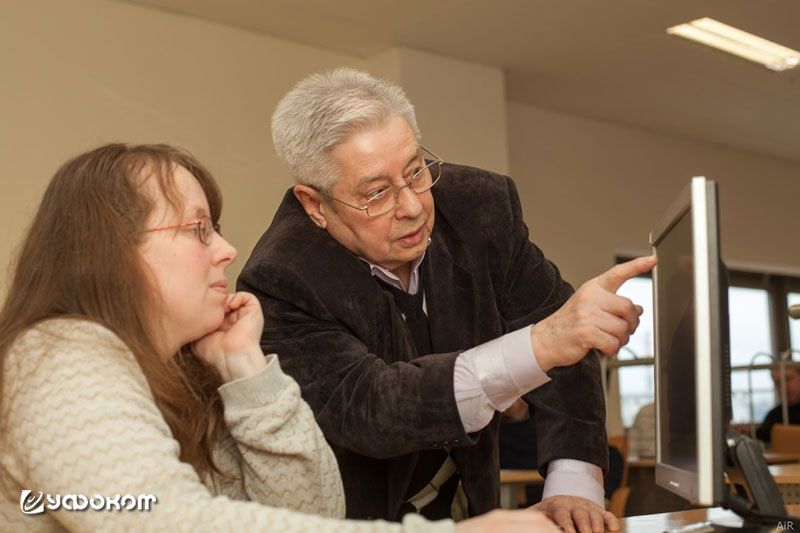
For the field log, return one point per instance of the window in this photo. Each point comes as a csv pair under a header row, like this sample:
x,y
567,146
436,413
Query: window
x,y
636,382
759,326
751,344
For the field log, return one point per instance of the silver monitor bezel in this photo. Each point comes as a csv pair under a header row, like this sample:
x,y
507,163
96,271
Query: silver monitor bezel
x,y
707,485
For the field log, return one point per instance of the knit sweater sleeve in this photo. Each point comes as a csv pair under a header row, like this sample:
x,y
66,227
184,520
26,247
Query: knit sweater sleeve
x,y
79,418
275,452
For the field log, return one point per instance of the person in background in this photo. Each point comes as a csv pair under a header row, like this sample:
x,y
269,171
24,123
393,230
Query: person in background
x,y
642,434
409,337
775,415
128,370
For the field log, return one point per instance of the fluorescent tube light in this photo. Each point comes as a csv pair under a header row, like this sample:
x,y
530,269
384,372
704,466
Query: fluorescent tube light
x,y
734,41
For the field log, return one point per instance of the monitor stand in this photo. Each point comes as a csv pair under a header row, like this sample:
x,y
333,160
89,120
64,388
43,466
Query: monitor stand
x,y
786,526
747,459
766,512
759,503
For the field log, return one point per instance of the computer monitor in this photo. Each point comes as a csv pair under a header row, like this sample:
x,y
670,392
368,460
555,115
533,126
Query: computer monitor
x,y
694,445
692,373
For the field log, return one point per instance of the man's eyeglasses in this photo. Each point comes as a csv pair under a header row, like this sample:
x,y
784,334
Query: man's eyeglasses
x,y
203,228
383,200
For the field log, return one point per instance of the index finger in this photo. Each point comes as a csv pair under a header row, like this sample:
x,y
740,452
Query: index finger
x,y
613,278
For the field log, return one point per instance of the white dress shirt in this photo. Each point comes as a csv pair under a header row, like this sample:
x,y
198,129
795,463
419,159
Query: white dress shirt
x,y
490,377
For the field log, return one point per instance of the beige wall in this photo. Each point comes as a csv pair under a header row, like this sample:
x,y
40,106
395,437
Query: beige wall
x,y
78,73
590,189
460,106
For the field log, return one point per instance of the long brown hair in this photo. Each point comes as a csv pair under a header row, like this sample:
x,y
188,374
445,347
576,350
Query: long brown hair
x,y
80,259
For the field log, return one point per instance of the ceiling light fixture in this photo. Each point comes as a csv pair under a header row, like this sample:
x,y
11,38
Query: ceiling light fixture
x,y
729,39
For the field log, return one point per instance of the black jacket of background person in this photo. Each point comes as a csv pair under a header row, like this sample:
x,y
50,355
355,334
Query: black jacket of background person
x,y
775,416
340,335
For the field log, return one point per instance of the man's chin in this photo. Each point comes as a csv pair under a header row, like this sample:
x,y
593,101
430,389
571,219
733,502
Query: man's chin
x,y
409,254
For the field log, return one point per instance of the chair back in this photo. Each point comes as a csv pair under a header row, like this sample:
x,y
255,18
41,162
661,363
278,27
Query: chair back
x,y
621,443
619,498
785,438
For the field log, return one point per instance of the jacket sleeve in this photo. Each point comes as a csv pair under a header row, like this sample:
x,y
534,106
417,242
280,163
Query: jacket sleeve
x,y
764,430
572,403
378,405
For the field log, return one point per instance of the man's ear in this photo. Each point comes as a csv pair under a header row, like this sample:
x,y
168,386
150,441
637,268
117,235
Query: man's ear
x,y
311,199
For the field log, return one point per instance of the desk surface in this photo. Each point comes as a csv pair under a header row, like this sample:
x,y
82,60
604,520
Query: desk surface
x,y
775,458
785,473
772,458
641,462
658,523
520,476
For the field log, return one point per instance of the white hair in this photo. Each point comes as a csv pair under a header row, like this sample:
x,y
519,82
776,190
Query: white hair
x,y
324,110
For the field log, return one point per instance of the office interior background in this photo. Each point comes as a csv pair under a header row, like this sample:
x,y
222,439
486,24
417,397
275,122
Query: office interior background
x,y
599,116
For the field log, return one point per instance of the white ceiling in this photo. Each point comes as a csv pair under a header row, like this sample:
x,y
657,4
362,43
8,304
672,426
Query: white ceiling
x,y
607,59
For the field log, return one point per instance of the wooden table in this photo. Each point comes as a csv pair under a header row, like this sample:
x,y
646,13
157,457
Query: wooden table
x,y
641,462
510,483
772,458
658,523
520,476
646,497
785,473
787,477
776,458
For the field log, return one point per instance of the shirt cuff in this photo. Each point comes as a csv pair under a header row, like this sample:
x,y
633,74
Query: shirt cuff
x,y
507,367
570,477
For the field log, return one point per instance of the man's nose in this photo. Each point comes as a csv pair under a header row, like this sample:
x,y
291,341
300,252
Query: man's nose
x,y
408,204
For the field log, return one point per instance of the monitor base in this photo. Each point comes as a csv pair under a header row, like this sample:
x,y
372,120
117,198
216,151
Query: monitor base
x,y
786,525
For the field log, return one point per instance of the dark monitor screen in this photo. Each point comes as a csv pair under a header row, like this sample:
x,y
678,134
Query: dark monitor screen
x,y
694,445
691,376
676,339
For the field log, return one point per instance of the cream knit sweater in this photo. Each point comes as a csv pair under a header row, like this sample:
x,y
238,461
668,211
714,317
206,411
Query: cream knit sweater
x,y
80,419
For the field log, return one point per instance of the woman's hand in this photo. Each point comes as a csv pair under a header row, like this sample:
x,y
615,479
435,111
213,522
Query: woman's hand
x,y
234,349
502,521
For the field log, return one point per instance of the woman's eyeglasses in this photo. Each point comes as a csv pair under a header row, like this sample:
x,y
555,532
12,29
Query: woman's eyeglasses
x,y
203,228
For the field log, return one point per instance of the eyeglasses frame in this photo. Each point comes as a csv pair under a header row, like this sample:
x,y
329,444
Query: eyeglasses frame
x,y
396,189
215,227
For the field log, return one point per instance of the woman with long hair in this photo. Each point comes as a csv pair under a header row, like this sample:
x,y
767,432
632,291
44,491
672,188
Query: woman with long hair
x,y
133,390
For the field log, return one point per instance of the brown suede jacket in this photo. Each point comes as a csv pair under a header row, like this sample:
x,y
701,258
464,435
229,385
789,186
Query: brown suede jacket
x,y
377,400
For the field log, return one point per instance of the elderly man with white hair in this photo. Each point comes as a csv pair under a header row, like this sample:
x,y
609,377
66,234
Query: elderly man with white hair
x,y
409,338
